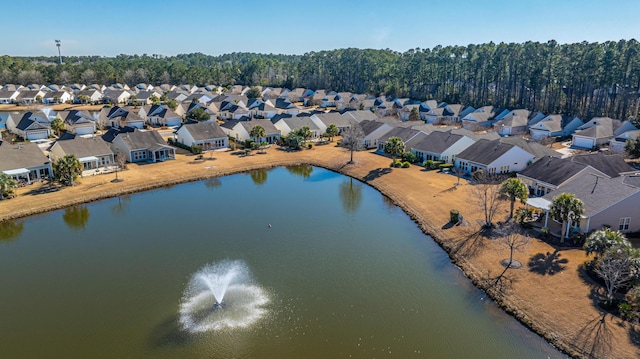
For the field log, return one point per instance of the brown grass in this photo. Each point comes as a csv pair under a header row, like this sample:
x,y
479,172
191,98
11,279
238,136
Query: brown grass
x,y
548,293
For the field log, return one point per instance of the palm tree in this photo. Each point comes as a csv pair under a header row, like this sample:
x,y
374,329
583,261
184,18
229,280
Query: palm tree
x,y
67,169
395,147
6,185
258,132
57,125
332,131
514,189
567,208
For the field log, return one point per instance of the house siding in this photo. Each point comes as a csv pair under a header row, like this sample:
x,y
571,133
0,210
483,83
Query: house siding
x,y
611,216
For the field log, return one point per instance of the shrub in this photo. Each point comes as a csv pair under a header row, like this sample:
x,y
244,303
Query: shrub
x,y
445,166
310,146
454,216
396,163
410,157
196,149
406,164
249,143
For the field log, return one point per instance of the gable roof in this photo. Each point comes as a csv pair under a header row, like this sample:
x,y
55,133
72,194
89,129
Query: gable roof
x,y
485,151
269,128
150,140
335,118
596,192
112,133
295,123
21,155
611,165
369,127
553,170
203,130
534,148
438,141
84,147
404,133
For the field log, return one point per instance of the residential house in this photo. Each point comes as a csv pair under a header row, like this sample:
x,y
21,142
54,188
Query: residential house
x,y
240,130
599,131
208,135
94,154
142,146
534,148
484,116
24,162
88,96
261,109
158,115
117,116
324,120
29,125
549,173
286,124
143,98
8,96
617,143
60,96
116,96
516,122
372,131
406,134
493,157
554,126
30,96
178,96
78,122
608,202
360,115
440,146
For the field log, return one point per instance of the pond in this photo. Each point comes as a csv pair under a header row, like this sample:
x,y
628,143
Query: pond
x,y
309,264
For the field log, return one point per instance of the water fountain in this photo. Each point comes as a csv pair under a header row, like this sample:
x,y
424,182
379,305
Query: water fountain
x,y
222,295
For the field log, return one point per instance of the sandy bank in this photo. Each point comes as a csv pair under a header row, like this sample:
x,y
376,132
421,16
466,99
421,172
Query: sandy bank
x,y
550,296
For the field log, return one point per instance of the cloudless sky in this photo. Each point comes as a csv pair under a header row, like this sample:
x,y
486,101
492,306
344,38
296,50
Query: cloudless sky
x,y
112,27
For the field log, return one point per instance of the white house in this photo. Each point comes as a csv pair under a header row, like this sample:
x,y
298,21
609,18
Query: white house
x,y
94,154
617,143
159,115
287,124
554,126
599,131
208,135
29,125
493,157
372,131
240,130
78,122
24,162
440,146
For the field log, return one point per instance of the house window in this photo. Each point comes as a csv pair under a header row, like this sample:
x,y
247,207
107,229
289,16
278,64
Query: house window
x,y
624,224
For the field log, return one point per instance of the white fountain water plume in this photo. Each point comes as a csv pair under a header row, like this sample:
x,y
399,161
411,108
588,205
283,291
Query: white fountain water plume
x,y
227,282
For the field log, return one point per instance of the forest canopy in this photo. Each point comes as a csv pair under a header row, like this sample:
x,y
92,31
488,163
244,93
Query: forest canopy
x,y
581,79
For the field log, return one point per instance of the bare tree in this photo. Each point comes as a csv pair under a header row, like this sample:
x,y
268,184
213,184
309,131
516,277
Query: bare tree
x,y
515,241
88,76
486,193
352,138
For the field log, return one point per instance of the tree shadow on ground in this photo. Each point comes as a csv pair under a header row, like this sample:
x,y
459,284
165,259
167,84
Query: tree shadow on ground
x,y
46,188
470,243
168,333
378,172
501,283
547,264
595,338
634,334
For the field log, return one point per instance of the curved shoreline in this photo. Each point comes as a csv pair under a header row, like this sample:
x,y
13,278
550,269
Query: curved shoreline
x,y
424,217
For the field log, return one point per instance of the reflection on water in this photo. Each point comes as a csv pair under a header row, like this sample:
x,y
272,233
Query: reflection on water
x,y
212,183
259,177
351,195
121,207
303,171
10,230
76,217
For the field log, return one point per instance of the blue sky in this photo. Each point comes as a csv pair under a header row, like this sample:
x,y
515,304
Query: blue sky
x,y
112,27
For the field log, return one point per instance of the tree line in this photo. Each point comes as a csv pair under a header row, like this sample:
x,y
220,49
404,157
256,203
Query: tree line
x,y
580,79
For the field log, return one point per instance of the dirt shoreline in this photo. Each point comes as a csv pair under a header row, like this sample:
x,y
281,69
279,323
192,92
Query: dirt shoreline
x,y
557,305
